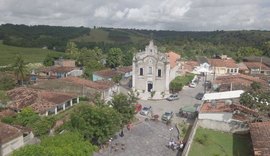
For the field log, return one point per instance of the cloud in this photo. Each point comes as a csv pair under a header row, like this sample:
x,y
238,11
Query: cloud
x,y
147,14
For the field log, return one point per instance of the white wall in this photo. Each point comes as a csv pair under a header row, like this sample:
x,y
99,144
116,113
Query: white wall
x,y
12,145
222,116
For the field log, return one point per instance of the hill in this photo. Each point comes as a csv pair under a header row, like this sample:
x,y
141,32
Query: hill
x,y
31,55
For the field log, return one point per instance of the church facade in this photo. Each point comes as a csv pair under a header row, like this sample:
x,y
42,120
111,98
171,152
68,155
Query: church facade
x,y
153,70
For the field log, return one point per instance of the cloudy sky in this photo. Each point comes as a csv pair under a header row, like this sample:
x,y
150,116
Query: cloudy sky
x,y
144,14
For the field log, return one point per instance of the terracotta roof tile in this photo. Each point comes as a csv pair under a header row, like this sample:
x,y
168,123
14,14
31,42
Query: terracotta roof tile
x,y
124,69
39,100
257,65
106,73
173,58
189,65
100,85
229,63
7,112
238,79
8,133
260,136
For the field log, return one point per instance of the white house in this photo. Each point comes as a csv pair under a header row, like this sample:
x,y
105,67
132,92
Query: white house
x,y
153,70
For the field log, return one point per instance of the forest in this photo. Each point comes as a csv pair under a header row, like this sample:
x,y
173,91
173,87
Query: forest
x,y
188,43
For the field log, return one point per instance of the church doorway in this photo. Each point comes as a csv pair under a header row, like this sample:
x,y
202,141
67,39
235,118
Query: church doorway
x,y
149,86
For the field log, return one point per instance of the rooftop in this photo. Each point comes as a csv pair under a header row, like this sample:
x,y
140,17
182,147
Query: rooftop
x,y
124,69
223,95
229,63
61,69
8,133
39,100
190,65
257,65
100,85
107,73
173,58
260,136
238,78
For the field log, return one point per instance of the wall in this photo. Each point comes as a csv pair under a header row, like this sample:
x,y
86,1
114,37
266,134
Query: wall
x,y
12,145
222,116
96,77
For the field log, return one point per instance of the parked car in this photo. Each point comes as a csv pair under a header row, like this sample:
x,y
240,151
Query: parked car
x,y
167,116
146,110
192,85
199,96
172,97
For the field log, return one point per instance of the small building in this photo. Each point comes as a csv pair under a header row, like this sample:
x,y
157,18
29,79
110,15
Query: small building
x,y
81,87
223,65
236,82
188,66
109,74
225,116
260,136
41,101
258,68
11,139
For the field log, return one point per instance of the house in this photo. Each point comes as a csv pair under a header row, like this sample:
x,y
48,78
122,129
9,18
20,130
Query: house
x,y
41,101
258,68
260,136
108,74
225,116
11,139
81,87
243,69
188,66
153,70
223,65
236,82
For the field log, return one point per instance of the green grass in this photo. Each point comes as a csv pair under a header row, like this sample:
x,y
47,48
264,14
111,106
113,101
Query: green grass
x,y
220,144
31,55
95,35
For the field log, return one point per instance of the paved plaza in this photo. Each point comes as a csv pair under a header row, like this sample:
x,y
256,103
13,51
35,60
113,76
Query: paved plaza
x,y
148,138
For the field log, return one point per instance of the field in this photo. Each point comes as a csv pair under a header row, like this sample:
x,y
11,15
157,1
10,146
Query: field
x,y
220,144
31,55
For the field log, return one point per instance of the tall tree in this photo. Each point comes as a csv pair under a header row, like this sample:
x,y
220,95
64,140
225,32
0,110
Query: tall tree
x,y
114,58
20,69
128,57
72,50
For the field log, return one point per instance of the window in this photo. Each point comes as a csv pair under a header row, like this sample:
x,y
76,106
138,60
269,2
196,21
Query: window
x,y
231,70
159,72
149,70
141,71
235,70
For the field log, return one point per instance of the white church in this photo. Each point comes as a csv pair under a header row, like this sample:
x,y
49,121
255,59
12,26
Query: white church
x,y
153,71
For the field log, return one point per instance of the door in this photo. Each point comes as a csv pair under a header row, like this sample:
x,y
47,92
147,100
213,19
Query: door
x,y
149,86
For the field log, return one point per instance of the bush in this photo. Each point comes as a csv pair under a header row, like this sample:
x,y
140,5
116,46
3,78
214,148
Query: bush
x,y
179,82
42,126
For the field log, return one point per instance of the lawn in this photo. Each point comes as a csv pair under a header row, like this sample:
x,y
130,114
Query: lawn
x,y
215,143
31,55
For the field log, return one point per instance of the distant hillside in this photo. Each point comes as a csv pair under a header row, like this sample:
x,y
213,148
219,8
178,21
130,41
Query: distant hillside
x,y
31,55
189,44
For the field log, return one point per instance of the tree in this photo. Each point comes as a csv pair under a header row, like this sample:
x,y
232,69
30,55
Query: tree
x,y
247,51
20,69
92,66
26,116
128,57
72,51
114,58
49,59
266,48
256,86
96,124
69,143
123,105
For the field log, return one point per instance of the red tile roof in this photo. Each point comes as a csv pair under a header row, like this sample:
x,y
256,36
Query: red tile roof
x,y
100,85
173,58
124,69
39,100
238,79
229,63
260,136
106,73
257,65
58,69
8,133
221,106
7,112
189,65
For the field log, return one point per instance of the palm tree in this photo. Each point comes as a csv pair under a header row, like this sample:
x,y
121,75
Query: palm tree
x,y
19,69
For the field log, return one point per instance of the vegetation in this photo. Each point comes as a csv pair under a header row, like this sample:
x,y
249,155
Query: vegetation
x,y
124,105
31,55
179,82
208,142
19,69
28,118
69,143
6,82
256,100
114,58
96,124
